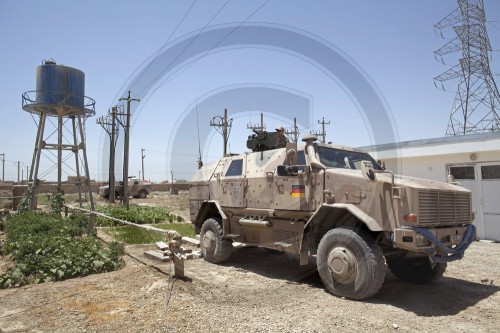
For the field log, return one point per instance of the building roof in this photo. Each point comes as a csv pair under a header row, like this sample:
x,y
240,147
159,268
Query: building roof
x,y
438,146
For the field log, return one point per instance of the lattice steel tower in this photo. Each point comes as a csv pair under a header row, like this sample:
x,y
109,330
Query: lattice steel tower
x,y
476,107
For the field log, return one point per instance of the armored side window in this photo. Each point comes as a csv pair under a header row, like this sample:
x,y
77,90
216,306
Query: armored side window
x,y
301,158
235,169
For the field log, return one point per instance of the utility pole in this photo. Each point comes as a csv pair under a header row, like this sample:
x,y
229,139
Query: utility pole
x,y
223,126
109,125
295,131
18,170
323,132
126,149
142,155
257,127
3,167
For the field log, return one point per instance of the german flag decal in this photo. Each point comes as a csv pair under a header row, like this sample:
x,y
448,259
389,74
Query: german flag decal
x,y
298,191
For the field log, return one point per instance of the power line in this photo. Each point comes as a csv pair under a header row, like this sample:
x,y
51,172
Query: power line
x,y
186,47
164,44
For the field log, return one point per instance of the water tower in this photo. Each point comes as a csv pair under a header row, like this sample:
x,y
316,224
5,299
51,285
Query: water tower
x,y
60,95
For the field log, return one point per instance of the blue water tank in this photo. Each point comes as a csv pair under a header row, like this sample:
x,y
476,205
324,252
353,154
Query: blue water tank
x,y
60,86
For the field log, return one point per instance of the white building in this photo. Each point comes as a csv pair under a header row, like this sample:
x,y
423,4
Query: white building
x,y
473,160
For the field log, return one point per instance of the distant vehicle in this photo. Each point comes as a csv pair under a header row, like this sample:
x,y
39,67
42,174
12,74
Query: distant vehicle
x,y
137,188
336,203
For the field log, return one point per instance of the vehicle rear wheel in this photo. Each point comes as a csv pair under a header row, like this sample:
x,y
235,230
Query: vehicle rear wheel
x,y
143,194
350,263
416,270
214,249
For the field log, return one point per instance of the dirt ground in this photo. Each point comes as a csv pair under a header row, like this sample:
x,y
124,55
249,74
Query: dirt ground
x,y
257,290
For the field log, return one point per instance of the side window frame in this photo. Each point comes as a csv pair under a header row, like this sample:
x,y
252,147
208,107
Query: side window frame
x,y
235,168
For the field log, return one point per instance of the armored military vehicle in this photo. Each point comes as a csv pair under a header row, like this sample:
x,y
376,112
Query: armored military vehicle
x,y
336,204
137,188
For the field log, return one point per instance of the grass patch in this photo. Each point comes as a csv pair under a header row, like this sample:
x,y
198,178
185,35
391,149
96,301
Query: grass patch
x,y
134,235
135,214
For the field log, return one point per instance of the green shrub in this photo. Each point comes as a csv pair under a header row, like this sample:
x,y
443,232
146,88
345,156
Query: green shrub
x,y
56,203
46,247
25,202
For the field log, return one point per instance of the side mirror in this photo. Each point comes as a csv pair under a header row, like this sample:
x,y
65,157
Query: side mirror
x,y
367,170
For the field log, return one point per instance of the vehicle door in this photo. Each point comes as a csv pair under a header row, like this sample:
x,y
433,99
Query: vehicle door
x,y
294,188
232,183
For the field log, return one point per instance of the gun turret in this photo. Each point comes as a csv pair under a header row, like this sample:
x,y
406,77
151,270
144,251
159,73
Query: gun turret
x,y
261,141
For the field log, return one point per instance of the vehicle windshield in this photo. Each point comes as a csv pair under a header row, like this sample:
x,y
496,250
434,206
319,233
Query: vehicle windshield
x,y
337,158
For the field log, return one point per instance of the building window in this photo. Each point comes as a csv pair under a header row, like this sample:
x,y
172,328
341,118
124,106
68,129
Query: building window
x,y
490,171
235,169
462,172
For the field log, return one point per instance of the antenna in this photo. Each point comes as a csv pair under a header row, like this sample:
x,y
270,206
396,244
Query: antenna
x,y
223,126
476,107
200,161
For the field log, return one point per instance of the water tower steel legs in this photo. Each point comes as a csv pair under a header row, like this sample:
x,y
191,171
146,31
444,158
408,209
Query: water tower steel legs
x,y
30,178
75,147
36,158
87,174
75,151
59,151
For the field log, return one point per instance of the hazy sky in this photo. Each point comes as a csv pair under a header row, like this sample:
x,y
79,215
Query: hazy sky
x,y
390,43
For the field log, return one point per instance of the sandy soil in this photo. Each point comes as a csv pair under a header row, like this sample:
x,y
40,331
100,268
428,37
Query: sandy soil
x,y
258,290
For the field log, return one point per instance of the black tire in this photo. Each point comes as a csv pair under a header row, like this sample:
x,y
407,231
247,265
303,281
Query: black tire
x,y
350,263
197,229
143,194
416,270
117,195
214,249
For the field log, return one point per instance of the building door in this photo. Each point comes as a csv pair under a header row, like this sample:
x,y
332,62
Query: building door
x,y
490,188
483,180
465,174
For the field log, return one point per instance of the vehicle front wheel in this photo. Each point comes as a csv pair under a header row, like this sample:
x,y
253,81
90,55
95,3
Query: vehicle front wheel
x,y
143,194
416,270
350,263
214,249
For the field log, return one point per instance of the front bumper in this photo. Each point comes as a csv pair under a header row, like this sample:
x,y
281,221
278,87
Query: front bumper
x,y
411,240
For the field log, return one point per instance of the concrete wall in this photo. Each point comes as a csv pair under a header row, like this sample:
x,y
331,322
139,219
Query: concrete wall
x,y
11,194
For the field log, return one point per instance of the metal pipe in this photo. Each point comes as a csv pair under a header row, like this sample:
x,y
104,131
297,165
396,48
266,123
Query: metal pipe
x,y
255,223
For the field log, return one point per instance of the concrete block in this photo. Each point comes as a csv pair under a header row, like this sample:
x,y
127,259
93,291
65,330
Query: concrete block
x,y
155,255
238,245
162,245
186,250
189,240
196,254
